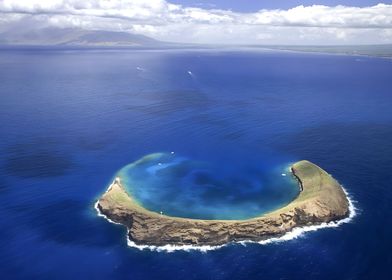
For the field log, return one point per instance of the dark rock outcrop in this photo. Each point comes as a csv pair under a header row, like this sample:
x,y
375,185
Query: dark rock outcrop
x,y
321,200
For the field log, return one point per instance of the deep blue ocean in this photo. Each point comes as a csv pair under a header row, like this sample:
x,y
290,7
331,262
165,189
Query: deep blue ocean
x,y
70,120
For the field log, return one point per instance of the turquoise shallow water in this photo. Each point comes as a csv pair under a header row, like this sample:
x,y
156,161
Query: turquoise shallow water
x,y
70,120
184,187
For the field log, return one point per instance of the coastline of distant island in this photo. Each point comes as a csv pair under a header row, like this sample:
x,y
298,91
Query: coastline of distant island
x,y
78,39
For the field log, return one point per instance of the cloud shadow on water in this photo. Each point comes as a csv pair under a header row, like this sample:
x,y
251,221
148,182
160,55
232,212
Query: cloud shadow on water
x,y
32,160
96,142
362,142
3,186
168,102
70,222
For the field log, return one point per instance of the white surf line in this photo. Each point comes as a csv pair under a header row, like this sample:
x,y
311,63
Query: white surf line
x,y
117,179
300,231
172,248
104,216
295,233
164,248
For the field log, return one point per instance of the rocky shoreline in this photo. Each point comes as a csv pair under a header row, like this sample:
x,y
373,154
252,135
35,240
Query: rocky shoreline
x,y
320,200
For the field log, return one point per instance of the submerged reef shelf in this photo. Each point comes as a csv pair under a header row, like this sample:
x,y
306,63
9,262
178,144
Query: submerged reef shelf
x,y
321,200
179,186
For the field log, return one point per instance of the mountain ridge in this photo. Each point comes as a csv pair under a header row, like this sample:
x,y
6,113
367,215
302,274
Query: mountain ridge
x,y
77,37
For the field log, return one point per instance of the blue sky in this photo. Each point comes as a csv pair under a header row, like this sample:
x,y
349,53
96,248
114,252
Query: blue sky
x,y
255,5
294,22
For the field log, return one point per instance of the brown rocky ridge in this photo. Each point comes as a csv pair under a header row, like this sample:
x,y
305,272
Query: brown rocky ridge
x,y
321,199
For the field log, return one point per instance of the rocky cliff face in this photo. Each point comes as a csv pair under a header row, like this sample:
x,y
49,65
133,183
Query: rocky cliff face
x,y
321,200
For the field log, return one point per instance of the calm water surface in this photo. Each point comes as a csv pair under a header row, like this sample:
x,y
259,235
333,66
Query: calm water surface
x,y
70,120
178,186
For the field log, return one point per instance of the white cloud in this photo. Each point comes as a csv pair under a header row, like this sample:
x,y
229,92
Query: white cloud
x,y
158,18
379,16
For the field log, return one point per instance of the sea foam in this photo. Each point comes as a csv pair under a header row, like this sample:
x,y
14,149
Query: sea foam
x,y
295,233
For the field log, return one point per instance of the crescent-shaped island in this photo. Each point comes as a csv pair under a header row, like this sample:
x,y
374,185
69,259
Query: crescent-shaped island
x,y
321,199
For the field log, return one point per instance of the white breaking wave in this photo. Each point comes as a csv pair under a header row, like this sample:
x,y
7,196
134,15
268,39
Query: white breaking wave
x,y
295,233
300,231
117,179
103,216
172,248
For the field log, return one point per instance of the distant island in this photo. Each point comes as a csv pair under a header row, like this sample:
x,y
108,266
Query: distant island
x,y
381,50
321,200
77,38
